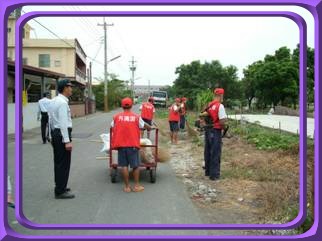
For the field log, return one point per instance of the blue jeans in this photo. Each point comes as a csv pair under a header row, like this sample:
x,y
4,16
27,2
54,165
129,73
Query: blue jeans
x,y
212,153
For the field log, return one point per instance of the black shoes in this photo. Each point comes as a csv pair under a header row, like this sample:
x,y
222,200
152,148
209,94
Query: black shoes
x,y
214,178
65,195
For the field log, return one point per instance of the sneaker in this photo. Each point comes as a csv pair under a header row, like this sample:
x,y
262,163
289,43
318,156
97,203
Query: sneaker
x,y
65,195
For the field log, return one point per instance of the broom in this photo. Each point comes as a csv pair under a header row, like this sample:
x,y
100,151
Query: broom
x,y
163,155
160,130
191,132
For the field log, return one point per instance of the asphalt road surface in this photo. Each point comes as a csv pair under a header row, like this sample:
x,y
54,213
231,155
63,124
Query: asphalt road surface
x,y
97,201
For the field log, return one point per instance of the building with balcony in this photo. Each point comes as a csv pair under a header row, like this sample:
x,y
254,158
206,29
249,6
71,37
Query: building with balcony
x,y
64,57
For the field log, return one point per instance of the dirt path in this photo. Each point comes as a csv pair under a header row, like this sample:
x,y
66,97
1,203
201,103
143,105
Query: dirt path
x,y
253,184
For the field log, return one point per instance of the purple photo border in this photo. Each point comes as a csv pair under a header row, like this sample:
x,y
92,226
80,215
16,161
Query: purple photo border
x,y
6,8
19,177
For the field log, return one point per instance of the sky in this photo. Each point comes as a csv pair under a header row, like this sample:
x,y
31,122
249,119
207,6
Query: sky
x,y
160,44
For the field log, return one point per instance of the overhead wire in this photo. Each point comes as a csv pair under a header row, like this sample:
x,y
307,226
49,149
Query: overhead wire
x,y
59,38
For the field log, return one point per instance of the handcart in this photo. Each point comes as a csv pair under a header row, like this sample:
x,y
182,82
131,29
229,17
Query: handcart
x,y
151,167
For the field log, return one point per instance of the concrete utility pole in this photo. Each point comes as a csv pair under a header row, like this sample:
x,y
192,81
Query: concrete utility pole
x,y
105,64
132,68
90,80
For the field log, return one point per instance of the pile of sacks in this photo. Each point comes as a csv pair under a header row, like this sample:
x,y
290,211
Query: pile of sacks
x,y
146,153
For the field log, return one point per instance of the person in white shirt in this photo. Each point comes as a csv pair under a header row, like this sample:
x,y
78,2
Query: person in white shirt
x,y
60,123
10,201
43,111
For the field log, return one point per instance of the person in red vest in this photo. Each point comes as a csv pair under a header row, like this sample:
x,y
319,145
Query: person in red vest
x,y
126,139
147,112
213,143
183,113
174,118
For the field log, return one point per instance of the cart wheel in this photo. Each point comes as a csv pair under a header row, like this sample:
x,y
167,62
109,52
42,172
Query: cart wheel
x,y
113,175
152,175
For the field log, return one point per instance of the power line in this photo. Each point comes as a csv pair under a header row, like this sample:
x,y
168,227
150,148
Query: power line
x,y
81,22
51,32
88,22
58,37
99,48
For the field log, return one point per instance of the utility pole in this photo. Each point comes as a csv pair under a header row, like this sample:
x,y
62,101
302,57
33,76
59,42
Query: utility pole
x,y
90,80
105,64
132,68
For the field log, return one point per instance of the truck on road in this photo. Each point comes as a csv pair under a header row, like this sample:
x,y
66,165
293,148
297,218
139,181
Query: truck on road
x,y
160,98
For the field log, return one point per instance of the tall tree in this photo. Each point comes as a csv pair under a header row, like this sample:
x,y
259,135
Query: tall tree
x,y
196,77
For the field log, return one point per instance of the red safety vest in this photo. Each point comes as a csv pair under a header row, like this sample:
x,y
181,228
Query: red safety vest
x,y
147,111
126,131
213,112
173,115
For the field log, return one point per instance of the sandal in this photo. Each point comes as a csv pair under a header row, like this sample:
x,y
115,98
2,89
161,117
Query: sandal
x,y
138,189
127,189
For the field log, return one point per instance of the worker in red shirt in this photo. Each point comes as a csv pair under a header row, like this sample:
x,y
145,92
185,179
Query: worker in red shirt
x,y
183,113
126,139
213,135
147,112
174,118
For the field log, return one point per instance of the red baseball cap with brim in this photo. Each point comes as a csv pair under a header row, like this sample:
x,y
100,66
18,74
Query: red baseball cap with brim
x,y
219,91
151,98
177,99
184,98
127,102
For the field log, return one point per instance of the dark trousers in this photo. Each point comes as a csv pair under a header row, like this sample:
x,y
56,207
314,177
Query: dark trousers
x,y
62,159
182,121
44,126
212,152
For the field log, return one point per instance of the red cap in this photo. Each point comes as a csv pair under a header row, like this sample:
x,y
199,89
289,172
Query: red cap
x,y
127,102
151,98
183,98
177,100
219,91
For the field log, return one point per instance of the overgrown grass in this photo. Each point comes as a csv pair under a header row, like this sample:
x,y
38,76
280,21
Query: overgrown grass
x,y
266,138
279,186
277,181
161,113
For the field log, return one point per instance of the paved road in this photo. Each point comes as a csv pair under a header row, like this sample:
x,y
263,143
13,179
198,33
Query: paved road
x,y
288,123
97,199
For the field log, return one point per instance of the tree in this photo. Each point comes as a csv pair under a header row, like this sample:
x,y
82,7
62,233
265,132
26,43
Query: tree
x,y
116,92
250,81
275,80
310,70
196,77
